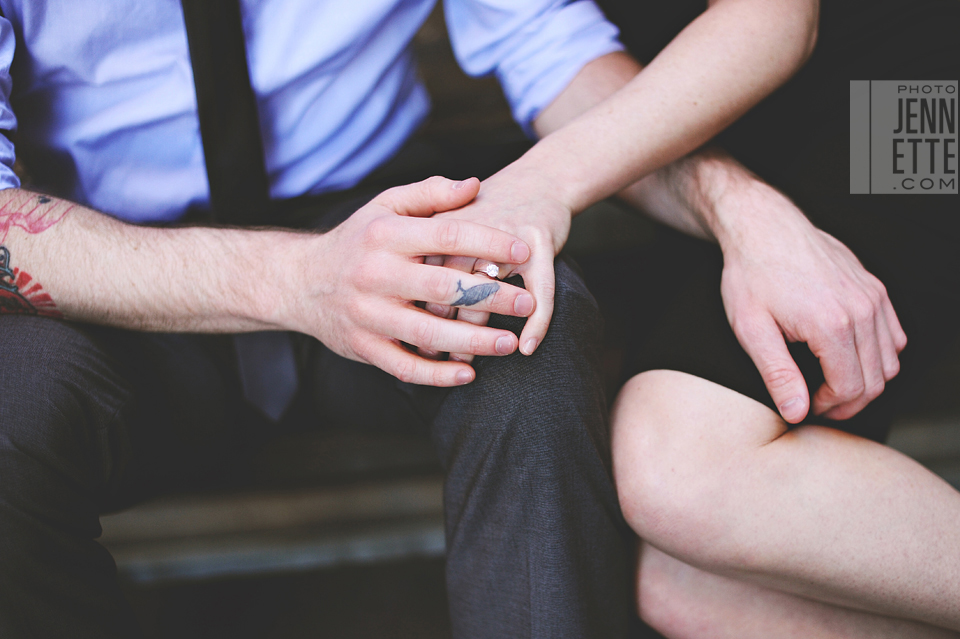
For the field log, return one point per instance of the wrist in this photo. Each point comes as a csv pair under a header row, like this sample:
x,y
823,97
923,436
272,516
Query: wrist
x,y
734,205
544,170
267,283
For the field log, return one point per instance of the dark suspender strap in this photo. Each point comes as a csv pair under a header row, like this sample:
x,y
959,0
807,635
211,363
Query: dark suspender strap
x,y
229,126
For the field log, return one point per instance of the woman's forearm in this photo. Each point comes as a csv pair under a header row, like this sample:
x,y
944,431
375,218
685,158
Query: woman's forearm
x,y
614,124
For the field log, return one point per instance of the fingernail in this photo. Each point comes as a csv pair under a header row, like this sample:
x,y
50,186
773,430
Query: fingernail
x,y
459,185
456,358
519,252
789,409
529,346
464,377
504,345
523,306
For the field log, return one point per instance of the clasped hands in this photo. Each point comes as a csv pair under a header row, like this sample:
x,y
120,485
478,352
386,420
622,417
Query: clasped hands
x,y
783,280
361,297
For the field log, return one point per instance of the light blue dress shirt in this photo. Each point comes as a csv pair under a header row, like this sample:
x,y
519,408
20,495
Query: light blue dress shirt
x,y
106,112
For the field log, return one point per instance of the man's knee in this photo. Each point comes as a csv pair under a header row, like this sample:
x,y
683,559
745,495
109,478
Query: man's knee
x,y
549,395
576,322
544,414
59,394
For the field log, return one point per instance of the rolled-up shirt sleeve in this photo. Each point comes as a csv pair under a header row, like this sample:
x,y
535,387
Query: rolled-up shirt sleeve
x,y
535,47
8,121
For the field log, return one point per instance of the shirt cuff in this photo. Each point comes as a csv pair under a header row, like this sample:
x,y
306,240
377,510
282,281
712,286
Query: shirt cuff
x,y
551,55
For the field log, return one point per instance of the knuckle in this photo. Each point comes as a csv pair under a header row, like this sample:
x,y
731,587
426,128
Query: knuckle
x,y
437,285
840,323
777,376
435,182
354,309
377,232
901,343
851,389
358,347
863,308
363,348
892,369
498,247
547,291
423,332
747,326
391,193
825,398
448,237
365,275
879,287
475,343
743,328
874,390
438,375
406,370
384,198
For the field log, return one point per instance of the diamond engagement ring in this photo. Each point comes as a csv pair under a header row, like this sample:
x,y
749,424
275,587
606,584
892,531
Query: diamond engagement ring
x,y
491,270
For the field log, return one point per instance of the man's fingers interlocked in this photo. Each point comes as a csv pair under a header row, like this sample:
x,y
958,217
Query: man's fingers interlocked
x,y
420,328
471,315
439,285
381,262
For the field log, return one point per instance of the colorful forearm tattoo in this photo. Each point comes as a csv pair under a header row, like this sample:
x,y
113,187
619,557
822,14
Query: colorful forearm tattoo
x,y
19,292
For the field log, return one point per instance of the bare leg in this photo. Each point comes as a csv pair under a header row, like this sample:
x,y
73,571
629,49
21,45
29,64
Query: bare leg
x,y
684,602
715,479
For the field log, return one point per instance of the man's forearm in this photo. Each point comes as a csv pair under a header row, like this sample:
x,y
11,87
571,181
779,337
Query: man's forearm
x,y
353,288
704,195
67,260
722,64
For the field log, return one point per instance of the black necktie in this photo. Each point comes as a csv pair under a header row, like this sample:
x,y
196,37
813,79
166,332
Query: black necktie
x,y
239,188
229,126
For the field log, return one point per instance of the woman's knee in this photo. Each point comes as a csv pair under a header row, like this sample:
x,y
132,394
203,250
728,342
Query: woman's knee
x,y
662,600
679,444
653,457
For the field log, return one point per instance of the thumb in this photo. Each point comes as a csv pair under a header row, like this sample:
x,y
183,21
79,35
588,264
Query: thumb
x,y
765,345
433,195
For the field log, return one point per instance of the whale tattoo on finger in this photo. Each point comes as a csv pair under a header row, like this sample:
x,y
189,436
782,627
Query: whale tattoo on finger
x,y
475,294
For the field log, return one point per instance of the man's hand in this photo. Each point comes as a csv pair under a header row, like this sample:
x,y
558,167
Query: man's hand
x,y
785,279
520,203
359,295
355,288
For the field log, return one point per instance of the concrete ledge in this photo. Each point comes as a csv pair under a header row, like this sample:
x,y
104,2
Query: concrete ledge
x,y
210,536
278,551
